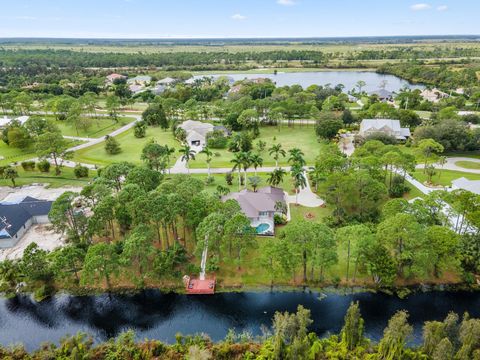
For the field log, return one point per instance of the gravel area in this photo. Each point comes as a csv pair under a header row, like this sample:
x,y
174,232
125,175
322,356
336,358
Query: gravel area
x,y
37,191
42,234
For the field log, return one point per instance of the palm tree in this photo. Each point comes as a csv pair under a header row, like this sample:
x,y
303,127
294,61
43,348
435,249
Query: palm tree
x,y
442,160
316,175
169,151
299,180
254,181
277,151
276,177
296,157
246,162
208,153
237,162
187,155
256,161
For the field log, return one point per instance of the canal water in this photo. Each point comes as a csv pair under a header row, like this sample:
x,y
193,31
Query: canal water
x,y
349,79
156,315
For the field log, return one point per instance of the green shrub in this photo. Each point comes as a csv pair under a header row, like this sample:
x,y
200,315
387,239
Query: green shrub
x,y
210,180
279,219
112,147
43,166
80,171
217,140
28,165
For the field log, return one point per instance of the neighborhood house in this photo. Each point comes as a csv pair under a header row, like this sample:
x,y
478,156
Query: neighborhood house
x,y
387,126
433,95
382,94
5,121
260,207
197,132
17,216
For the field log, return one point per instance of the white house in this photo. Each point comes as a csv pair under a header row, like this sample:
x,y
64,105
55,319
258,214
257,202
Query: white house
x,y
196,132
166,81
5,121
386,126
433,95
140,80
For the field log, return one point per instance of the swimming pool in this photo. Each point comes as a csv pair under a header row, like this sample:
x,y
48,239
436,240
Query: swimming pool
x,y
264,227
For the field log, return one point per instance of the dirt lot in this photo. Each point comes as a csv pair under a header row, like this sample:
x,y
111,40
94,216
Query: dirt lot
x,y
43,235
36,191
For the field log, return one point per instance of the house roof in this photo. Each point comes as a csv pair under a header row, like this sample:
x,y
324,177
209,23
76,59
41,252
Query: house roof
x,y
382,125
166,81
252,203
14,215
465,184
140,78
199,127
4,121
382,93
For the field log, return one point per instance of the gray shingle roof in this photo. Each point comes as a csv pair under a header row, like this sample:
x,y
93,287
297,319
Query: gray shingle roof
x,y
16,215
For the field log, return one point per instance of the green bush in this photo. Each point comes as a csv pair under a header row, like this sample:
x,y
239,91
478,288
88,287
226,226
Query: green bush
x,y
279,219
28,165
217,140
80,171
112,147
43,166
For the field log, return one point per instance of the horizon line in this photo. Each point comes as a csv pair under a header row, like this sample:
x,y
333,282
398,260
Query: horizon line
x,y
241,37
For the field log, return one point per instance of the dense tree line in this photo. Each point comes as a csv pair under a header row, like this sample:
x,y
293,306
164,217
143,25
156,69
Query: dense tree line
x,y
288,338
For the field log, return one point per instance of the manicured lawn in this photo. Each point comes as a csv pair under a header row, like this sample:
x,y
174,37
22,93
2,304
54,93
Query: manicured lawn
x,y
98,127
32,177
299,136
130,145
9,154
444,177
468,165
470,154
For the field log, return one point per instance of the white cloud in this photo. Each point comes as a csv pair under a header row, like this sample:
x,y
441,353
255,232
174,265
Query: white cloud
x,y
238,17
286,2
442,8
419,7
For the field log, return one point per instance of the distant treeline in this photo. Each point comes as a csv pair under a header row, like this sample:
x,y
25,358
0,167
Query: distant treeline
x,y
442,76
14,59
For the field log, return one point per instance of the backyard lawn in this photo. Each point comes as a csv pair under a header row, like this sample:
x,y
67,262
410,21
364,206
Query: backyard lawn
x,y
66,178
303,137
130,145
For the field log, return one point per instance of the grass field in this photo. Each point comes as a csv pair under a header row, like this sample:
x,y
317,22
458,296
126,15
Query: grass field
x,y
130,145
468,164
66,178
9,154
303,137
444,177
98,127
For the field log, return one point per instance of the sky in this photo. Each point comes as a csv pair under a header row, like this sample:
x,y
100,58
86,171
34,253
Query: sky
x,y
236,18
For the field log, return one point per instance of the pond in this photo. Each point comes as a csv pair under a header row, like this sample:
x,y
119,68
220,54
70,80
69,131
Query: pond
x,y
156,315
372,79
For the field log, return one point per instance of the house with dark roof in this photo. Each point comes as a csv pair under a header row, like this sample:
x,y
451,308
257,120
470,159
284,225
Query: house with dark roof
x,y
18,216
382,94
260,206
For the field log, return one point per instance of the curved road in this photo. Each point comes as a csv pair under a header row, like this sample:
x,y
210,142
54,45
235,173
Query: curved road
x,y
451,165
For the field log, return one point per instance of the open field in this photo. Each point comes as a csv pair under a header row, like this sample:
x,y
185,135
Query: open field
x,y
66,178
301,136
99,127
468,165
444,177
169,47
130,145
9,154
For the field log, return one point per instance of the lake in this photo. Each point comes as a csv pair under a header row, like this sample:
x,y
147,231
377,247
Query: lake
x,y
372,79
155,315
